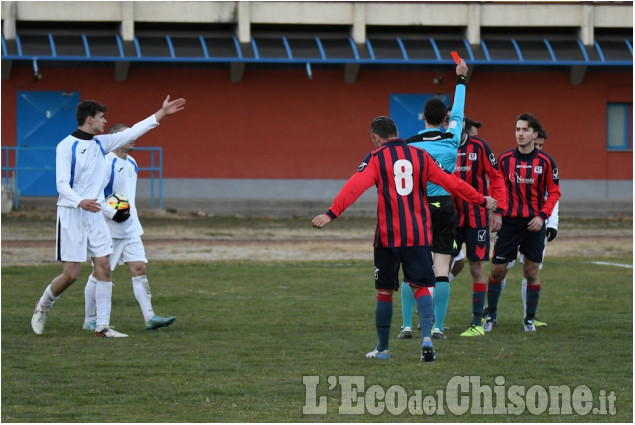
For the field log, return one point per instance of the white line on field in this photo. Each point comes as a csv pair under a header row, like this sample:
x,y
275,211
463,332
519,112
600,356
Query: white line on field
x,y
603,263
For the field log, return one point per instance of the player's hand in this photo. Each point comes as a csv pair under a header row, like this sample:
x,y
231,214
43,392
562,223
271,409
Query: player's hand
x,y
496,221
90,205
535,224
122,215
169,107
321,220
461,68
551,233
172,107
491,203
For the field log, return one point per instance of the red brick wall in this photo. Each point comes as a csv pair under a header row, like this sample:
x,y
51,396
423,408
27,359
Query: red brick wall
x,y
281,124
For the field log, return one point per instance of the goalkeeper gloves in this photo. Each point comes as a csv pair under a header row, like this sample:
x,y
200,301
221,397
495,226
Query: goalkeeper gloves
x,y
122,215
551,234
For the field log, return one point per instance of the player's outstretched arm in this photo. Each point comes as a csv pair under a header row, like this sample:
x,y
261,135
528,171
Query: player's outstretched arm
x,y
321,220
169,108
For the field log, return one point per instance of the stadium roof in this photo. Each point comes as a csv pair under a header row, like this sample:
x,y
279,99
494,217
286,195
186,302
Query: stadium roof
x,y
610,51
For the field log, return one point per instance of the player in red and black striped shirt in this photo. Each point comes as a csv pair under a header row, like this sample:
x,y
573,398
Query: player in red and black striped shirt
x,y
402,236
476,164
532,186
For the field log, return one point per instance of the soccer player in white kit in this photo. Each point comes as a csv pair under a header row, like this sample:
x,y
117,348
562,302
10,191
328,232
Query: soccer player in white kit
x,y
81,229
121,177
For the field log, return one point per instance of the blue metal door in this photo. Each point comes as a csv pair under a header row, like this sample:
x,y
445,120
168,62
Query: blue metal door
x,y
44,118
407,111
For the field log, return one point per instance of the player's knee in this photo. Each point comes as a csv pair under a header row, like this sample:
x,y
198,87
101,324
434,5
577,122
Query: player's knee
x,y
137,268
102,272
498,272
532,272
71,273
384,295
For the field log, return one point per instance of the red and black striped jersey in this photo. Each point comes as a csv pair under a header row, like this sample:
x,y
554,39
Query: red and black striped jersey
x,y
400,172
532,184
475,164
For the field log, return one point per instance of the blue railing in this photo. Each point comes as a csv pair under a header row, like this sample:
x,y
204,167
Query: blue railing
x,y
11,172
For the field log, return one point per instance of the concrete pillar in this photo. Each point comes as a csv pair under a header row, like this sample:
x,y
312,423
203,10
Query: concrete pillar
x,y
243,32
9,33
8,20
358,32
350,72
236,71
243,26
473,31
126,31
577,74
587,35
127,21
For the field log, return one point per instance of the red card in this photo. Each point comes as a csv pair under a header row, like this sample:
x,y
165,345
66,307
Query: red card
x,y
455,56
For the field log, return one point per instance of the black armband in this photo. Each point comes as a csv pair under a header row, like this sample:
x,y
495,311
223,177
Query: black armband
x,y
460,79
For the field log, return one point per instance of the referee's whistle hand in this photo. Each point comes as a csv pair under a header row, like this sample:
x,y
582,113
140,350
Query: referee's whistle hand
x,y
90,205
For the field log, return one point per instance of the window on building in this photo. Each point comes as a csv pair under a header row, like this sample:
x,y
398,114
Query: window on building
x,y
619,134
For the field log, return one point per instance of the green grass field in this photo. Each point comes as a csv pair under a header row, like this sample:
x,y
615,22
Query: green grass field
x,y
247,333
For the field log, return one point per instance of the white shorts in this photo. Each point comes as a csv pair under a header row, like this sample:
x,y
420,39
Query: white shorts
x,y
127,250
81,235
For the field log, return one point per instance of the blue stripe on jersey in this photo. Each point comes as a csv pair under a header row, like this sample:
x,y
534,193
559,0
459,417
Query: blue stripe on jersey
x,y
108,188
103,152
136,168
73,161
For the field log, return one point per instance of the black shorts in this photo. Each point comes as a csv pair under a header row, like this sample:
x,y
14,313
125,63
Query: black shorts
x,y
476,242
415,261
514,236
443,219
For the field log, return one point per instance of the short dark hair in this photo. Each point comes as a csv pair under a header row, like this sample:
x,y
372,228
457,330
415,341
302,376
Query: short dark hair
x,y
435,111
532,120
88,108
384,127
469,123
116,128
542,133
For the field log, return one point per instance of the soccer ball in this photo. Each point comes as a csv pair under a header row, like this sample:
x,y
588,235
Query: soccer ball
x,y
118,201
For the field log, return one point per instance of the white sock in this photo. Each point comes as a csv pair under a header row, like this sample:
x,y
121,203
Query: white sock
x,y
103,302
47,299
503,284
523,294
451,276
89,299
141,290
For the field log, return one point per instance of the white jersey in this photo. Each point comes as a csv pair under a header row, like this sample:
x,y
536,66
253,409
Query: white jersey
x,y
79,162
121,177
552,221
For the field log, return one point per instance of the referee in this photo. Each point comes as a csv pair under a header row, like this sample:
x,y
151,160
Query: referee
x,y
443,147
403,234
